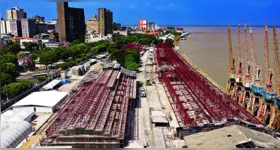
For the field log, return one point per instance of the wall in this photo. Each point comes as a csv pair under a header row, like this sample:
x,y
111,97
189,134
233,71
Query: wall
x,y
38,108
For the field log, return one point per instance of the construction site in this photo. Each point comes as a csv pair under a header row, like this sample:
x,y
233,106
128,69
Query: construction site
x,y
256,94
96,114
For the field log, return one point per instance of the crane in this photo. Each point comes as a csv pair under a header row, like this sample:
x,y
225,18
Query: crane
x,y
245,95
275,113
238,77
231,66
256,87
268,94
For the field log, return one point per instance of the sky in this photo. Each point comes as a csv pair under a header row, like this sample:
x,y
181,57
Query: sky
x,y
164,12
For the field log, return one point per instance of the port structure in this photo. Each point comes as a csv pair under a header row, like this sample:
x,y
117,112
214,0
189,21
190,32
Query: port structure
x,y
259,99
268,94
194,99
231,66
244,98
96,114
275,109
237,90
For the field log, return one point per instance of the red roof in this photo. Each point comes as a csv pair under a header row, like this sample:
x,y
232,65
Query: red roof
x,y
139,47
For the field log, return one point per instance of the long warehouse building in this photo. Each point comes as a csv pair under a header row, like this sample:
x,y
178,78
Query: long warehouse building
x,y
96,115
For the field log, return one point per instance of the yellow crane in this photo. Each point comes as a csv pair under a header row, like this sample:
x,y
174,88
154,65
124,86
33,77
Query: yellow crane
x,y
275,113
231,66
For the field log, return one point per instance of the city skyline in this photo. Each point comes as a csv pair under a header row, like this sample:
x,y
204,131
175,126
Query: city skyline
x,y
203,12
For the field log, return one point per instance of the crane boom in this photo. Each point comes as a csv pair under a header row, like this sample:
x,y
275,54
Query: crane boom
x,y
231,66
254,61
239,66
245,47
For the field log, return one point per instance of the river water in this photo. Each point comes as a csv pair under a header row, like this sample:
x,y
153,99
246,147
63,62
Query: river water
x,y
207,47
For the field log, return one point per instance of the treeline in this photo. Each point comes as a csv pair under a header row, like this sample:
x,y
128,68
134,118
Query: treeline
x,y
75,53
130,58
9,71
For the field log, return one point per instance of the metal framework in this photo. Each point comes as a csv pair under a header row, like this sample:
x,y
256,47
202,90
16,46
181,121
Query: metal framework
x,y
95,115
231,66
210,103
134,45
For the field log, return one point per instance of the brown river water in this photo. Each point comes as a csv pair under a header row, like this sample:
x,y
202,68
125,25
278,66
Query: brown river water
x,y
207,47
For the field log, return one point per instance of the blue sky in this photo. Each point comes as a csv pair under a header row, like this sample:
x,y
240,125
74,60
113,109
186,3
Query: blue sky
x,y
165,12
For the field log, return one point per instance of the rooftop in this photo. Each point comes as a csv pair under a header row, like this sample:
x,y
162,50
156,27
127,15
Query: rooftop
x,y
232,137
45,98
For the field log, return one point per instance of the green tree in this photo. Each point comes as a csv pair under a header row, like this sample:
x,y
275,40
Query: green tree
x,y
119,56
12,47
13,89
6,79
135,54
75,42
48,57
30,46
169,41
8,58
132,66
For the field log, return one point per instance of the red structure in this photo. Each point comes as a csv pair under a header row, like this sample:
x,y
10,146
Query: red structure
x,y
134,45
194,99
95,115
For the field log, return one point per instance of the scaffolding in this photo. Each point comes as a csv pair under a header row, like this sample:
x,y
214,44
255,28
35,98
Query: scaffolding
x,y
196,92
95,115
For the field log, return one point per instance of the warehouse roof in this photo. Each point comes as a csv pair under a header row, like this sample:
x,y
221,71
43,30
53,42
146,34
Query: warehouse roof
x,y
231,137
43,98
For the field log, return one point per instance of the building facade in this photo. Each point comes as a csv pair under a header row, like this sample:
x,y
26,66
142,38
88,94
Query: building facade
x,y
5,26
39,19
142,24
41,28
92,25
16,29
152,26
105,18
52,26
71,23
28,28
16,13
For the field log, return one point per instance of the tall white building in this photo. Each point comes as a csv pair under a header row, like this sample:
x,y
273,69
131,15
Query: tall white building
x,y
5,26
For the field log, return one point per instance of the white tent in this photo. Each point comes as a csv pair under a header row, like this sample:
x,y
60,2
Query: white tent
x,y
14,134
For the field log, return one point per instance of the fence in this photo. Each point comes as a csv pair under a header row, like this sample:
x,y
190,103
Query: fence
x,y
9,102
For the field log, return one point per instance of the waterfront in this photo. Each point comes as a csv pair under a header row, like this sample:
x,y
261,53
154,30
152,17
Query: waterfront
x,y
208,48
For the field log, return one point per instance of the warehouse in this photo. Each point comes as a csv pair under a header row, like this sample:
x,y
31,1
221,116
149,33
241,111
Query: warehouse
x,y
232,137
44,101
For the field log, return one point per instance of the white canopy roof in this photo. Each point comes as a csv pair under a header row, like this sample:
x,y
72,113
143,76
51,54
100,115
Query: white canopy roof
x,y
51,84
43,98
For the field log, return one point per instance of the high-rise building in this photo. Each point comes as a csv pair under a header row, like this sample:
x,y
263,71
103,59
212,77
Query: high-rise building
x,y
28,28
105,18
5,26
16,29
142,24
16,13
41,28
151,26
71,23
39,19
92,25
